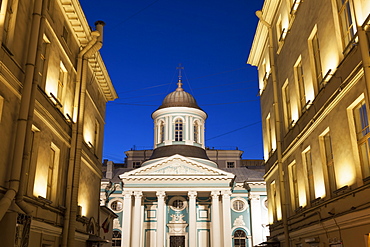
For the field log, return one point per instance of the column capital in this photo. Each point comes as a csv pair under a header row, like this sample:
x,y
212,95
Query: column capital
x,y
161,194
254,196
138,194
215,194
127,194
226,193
192,194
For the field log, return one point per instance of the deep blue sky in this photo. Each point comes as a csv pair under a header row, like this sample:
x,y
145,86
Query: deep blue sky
x,y
145,40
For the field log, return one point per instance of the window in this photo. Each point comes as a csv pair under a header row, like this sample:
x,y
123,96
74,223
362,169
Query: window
x,y
177,203
42,66
161,132
61,81
116,205
363,136
65,34
287,107
346,21
238,205
273,199
269,134
294,185
329,159
9,23
317,61
240,238
52,168
116,239
136,164
279,29
1,106
298,72
230,164
307,159
96,136
265,74
196,132
178,129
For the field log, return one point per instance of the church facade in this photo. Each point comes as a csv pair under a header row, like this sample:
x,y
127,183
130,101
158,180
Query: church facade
x,y
179,196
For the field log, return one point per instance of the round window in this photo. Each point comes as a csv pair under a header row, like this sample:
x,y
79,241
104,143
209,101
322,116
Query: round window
x,y
239,204
177,203
116,205
265,203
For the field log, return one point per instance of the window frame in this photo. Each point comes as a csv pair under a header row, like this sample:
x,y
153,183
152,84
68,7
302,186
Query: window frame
x,y
287,105
240,240
300,84
230,164
196,132
52,178
307,161
347,29
236,202
114,205
293,181
328,156
362,129
178,129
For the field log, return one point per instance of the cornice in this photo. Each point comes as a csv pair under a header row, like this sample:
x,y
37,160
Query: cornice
x,y
76,19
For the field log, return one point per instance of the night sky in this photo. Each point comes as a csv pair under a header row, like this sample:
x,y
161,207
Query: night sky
x,y
144,43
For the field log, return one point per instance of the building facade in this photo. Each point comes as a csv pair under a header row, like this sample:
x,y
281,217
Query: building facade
x,y
176,195
314,77
52,124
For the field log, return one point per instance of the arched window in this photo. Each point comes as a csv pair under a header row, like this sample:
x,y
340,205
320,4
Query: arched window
x,y
178,129
161,132
116,239
240,238
196,131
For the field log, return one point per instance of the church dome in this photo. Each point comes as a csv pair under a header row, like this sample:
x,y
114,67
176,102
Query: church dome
x,y
179,98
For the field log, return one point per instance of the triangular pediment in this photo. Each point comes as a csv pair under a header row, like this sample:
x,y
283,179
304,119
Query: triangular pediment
x,y
177,165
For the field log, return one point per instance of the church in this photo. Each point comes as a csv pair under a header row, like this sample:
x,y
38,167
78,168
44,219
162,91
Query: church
x,y
178,195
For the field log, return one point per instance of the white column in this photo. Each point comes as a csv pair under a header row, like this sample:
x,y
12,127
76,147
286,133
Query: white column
x,y
187,126
170,129
227,218
160,218
136,225
167,128
127,205
256,218
215,216
191,129
192,218
155,133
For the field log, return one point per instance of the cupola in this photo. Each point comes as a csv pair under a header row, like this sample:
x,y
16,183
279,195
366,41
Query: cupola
x,y
179,125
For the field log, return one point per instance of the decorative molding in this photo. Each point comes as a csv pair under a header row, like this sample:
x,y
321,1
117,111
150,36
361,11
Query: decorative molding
x,y
42,227
192,194
161,194
239,221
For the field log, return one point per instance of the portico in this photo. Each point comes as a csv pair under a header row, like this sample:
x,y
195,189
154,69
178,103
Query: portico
x,y
171,209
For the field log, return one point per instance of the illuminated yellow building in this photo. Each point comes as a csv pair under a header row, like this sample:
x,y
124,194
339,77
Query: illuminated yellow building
x,y
53,90
314,79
